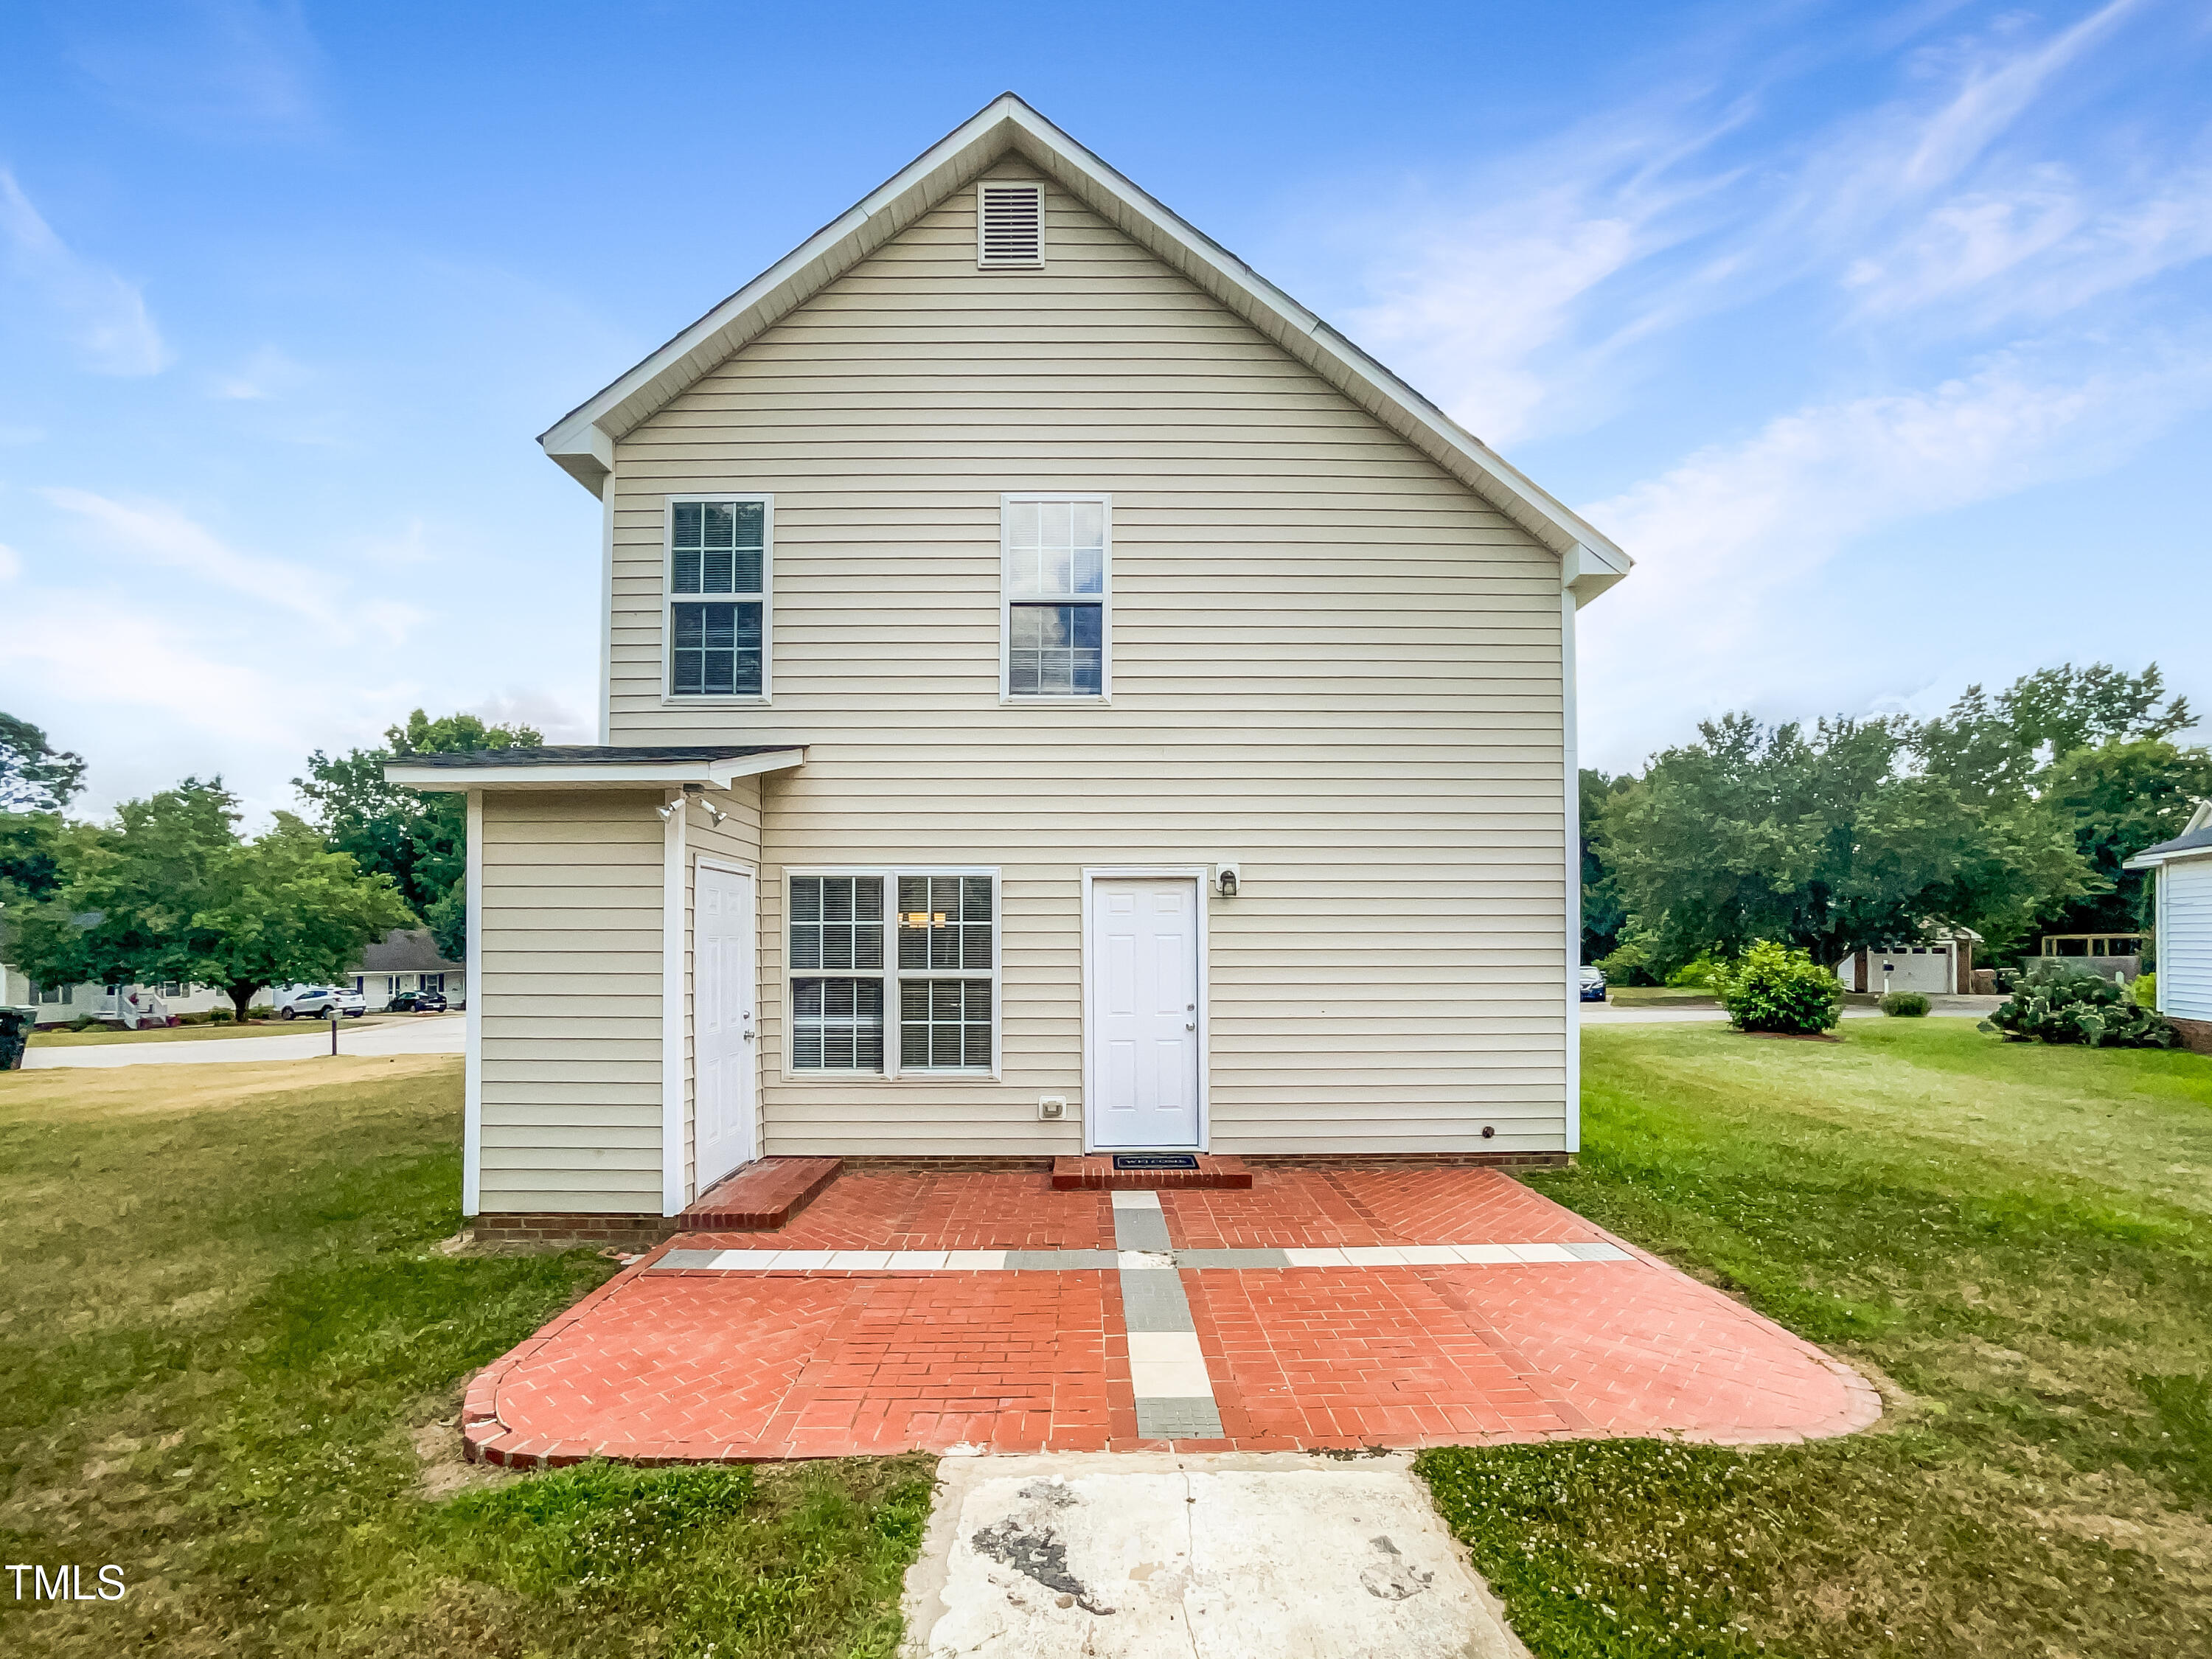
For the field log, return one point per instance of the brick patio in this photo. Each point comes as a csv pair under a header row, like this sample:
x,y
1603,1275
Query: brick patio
x,y
1445,1306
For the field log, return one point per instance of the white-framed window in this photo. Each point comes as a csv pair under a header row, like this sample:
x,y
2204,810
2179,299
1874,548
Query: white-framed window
x,y
892,972
1056,597
719,550
434,982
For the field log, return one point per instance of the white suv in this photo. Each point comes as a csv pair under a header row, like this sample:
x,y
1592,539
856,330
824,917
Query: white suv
x,y
316,1002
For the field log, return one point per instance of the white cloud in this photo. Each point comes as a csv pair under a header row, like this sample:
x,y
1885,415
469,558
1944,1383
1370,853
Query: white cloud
x,y
268,373
1724,537
549,713
125,537
220,68
11,563
107,316
92,650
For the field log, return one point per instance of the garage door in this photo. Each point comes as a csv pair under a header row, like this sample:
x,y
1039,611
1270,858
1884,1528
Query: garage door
x,y
1924,968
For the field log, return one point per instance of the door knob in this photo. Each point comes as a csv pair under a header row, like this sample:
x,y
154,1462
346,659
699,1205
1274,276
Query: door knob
x,y
1190,1025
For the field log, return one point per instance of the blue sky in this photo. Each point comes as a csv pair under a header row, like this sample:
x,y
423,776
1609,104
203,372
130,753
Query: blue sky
x,y
1878,334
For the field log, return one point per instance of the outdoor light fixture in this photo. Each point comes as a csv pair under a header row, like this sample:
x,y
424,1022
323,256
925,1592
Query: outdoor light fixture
x,y
1225,880
714,813
666,812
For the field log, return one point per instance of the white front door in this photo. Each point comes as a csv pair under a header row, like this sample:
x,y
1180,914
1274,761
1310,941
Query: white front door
x,y
1144,1014
722,1039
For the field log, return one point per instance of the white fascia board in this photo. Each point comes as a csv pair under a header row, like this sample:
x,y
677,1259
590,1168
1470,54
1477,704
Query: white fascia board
x,y
2155,859
1008,124
661,774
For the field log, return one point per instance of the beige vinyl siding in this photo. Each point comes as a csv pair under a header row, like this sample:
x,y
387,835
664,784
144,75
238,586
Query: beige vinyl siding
x,y
736,840
1331,663
569,995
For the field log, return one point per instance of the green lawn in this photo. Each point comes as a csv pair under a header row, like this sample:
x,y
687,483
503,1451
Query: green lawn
x,y
2015,1241
229,1359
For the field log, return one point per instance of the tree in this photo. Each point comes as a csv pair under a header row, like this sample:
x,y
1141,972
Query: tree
x,y
419,839
1824,841
1603,916
168,891
2120,798
284,909
1998,747
34,775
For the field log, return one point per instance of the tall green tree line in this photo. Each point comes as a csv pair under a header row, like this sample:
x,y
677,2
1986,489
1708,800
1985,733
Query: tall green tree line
x,y
167,889
2010,814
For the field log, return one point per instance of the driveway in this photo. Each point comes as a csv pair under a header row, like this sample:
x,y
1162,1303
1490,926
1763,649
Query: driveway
x,y
431,1034
1320,1310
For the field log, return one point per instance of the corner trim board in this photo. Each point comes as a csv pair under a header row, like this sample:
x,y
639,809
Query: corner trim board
x,y
472,1029
673,938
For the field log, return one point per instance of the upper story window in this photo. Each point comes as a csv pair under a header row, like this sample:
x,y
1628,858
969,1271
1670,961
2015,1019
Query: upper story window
x,y
718,608
1055,596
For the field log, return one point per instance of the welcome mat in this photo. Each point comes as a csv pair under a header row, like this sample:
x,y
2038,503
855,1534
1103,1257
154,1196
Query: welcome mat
x,y
1155,1160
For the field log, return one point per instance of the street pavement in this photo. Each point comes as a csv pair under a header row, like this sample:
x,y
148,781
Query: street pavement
x,y
428,1034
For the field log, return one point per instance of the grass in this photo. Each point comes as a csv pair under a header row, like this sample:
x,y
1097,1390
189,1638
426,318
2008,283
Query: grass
x,y
230,1340
1659,996
2014,1241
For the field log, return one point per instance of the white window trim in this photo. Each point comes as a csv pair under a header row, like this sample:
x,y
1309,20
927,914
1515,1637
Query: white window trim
x,y
1105,597
670,598
1202,874
892,1071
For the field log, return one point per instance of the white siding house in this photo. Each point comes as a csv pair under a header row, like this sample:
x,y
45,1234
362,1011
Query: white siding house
x,y
1057,694
2183,869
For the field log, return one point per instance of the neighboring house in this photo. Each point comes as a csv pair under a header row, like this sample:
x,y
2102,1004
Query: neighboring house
x,y
58,1004
1941,964
2182,926
408,959
1056,694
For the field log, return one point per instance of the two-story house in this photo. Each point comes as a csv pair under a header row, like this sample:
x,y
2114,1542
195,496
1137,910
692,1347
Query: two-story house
x,y
1057,694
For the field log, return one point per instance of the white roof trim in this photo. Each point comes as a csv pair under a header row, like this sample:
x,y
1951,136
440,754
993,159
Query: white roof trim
x,y
609,775
582,440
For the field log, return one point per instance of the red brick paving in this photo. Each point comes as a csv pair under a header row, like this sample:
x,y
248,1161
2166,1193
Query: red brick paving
x,y
902,1211
660,1365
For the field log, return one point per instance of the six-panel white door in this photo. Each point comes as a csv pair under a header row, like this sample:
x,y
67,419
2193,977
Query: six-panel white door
x,y
1144,1014
722,1036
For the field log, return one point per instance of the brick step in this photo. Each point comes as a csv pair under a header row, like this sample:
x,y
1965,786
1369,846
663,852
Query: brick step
x,y
1097,1172
762,1196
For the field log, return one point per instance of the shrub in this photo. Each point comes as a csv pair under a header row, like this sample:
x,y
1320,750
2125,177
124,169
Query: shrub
x,y
1629,965
2145,990
1698,975
83,1023
1905,1005
261,1010
2055,1000
1774,988
219,1015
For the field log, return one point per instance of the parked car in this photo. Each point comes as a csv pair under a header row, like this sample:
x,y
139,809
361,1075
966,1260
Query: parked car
x,y
418,1002
1592,985
316,1002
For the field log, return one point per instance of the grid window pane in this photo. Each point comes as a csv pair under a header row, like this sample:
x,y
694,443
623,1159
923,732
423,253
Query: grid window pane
x,y
1056,651
1055,548
836,923
944,1023
714,650
837,1024
717,547
945,922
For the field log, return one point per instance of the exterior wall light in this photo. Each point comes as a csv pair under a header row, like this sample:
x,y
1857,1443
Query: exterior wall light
x,y
1225,880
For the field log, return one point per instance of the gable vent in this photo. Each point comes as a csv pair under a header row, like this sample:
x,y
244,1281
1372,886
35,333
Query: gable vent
x,y
1009,224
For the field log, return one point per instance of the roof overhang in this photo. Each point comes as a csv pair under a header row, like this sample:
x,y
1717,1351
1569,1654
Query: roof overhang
x,y
573,772
2195,842
583,440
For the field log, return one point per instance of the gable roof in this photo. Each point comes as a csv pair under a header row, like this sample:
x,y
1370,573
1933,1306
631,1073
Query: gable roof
x,y
406,951
583,439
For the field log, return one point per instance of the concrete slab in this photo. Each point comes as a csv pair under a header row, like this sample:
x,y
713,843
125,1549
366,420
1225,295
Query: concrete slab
x,y
1219,1556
